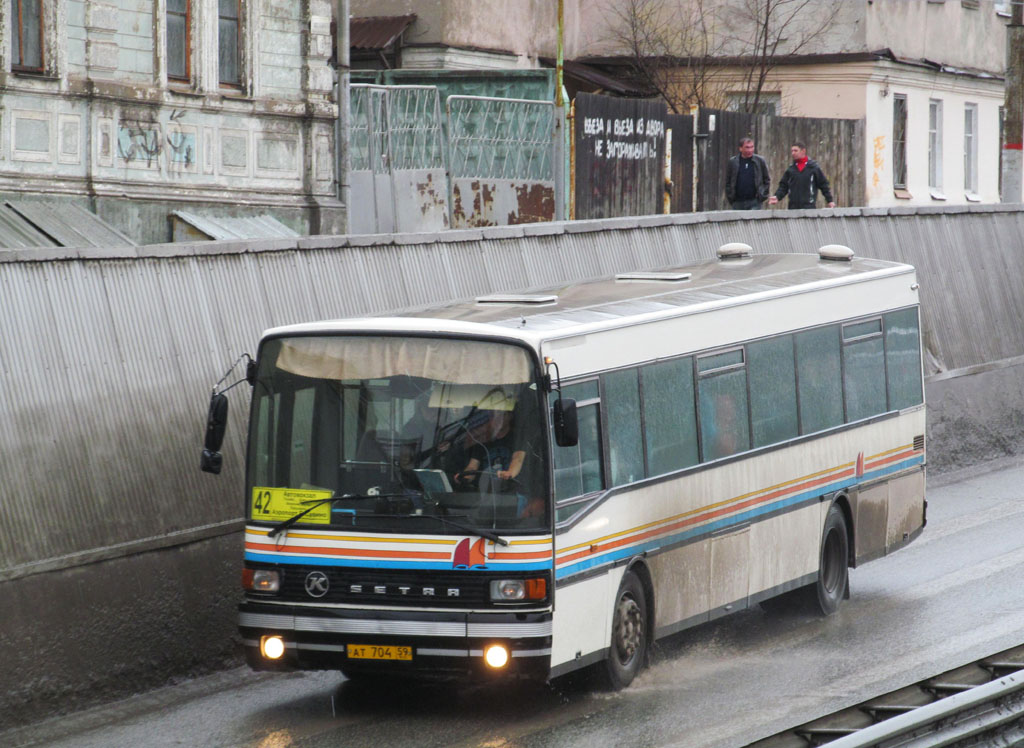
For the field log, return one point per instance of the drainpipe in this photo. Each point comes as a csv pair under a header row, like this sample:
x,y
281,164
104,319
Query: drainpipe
x,y
1013,112
560,166
342,130
559,102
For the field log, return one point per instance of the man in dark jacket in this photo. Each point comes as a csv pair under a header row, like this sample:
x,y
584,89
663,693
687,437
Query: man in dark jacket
x,y
802,181
747,183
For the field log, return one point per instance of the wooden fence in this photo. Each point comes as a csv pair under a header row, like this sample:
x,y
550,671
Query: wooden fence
x,y
836,144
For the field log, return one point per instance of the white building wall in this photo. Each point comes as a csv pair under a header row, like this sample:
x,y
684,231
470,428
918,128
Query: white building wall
x,y
134,39
281,59
76,37
920,88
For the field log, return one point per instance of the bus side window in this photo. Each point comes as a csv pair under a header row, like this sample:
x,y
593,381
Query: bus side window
x,y
669,416
863,370
819,377
903,359
625,444
772,373
578,469
722,398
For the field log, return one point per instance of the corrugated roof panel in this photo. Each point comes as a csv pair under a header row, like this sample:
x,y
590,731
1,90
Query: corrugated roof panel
x,y
70,225
249,227
17,233
377,32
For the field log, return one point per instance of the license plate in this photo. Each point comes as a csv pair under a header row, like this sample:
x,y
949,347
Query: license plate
x,y
377,652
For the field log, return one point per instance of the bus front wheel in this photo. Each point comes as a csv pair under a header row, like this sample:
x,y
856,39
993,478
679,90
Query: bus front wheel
x,y
628,650
833,570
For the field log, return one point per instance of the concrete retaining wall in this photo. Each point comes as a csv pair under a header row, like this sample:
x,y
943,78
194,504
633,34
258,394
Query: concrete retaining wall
x,y
119,559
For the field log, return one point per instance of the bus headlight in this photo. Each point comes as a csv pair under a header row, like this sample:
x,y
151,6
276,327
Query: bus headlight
x,y
272,647
517,590
496,656
261,580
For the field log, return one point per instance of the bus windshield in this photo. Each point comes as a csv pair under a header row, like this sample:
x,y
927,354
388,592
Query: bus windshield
x,y
401,434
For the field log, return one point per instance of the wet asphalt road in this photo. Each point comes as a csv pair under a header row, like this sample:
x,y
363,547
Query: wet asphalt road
x,y
951,597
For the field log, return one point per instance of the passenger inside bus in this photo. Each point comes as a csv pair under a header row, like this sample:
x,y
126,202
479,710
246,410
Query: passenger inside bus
x,y
493,453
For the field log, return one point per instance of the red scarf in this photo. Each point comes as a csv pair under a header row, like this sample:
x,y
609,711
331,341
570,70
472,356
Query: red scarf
x,y
801,163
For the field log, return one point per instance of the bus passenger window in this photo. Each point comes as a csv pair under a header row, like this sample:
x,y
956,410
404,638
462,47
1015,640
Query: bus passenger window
x,y
722,389
625,446
863,370
578,469
820,387
903,359
670,421
772,390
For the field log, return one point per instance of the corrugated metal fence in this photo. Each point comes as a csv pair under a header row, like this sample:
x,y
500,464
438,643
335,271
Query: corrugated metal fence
x,y
481,161
108,356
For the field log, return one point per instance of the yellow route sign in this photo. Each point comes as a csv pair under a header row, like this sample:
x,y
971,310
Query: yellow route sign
x,y
279,504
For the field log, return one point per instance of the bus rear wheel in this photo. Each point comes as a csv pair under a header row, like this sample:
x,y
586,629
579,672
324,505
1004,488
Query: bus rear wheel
x,y
628,651
833,570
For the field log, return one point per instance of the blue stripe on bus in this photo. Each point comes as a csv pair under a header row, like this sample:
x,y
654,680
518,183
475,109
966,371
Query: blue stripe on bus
x,y
735,519
605,558
312,560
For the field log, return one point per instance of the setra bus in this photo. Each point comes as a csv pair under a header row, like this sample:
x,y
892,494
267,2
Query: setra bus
x,y
525,485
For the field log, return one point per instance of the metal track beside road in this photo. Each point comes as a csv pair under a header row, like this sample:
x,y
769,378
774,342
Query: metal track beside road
x,y
981,704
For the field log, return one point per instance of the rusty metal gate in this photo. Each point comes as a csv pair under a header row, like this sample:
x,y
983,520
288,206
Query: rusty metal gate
x,y
398,174
502,165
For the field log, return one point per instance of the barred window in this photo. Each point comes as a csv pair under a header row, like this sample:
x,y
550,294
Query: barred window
x,y
899,142
178,39
229,42
27,35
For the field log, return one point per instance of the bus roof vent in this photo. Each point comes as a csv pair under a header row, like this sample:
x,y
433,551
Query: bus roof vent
x,y
667,276
835,252
528,299
734,250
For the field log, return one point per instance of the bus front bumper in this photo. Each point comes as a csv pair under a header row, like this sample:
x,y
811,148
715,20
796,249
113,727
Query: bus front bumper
x,y
414,643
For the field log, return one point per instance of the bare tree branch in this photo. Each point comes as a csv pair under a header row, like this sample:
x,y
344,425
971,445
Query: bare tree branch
x,y
681,50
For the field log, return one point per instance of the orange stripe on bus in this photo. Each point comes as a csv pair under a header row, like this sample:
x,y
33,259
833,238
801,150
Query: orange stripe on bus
x,y
501,556
599,547
363,552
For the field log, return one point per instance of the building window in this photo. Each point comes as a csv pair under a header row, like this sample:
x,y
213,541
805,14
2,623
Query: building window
x,y
229,42
935,148
769,102
27,35
899,142
178,40
971,148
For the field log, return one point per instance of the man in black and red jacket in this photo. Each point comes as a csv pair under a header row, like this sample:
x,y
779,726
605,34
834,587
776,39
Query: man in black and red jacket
x,y
802,181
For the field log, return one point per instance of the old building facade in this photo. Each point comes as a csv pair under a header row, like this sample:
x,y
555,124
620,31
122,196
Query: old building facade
x,y
925,76
137,108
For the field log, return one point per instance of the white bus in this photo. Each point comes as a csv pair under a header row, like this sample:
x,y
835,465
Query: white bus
x,y
527,485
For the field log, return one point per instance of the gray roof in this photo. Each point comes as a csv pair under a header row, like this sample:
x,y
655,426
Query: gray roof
x,y
255,227
609,299
27,224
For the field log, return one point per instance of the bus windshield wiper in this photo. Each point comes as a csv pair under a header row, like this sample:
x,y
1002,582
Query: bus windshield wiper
x,y
487,534
314,503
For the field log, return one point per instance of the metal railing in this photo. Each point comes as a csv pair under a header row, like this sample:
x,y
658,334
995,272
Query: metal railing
x,y
981,703
492,138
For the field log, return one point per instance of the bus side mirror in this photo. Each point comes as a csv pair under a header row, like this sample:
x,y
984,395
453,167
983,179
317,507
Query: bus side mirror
x,y
216,423
567,431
